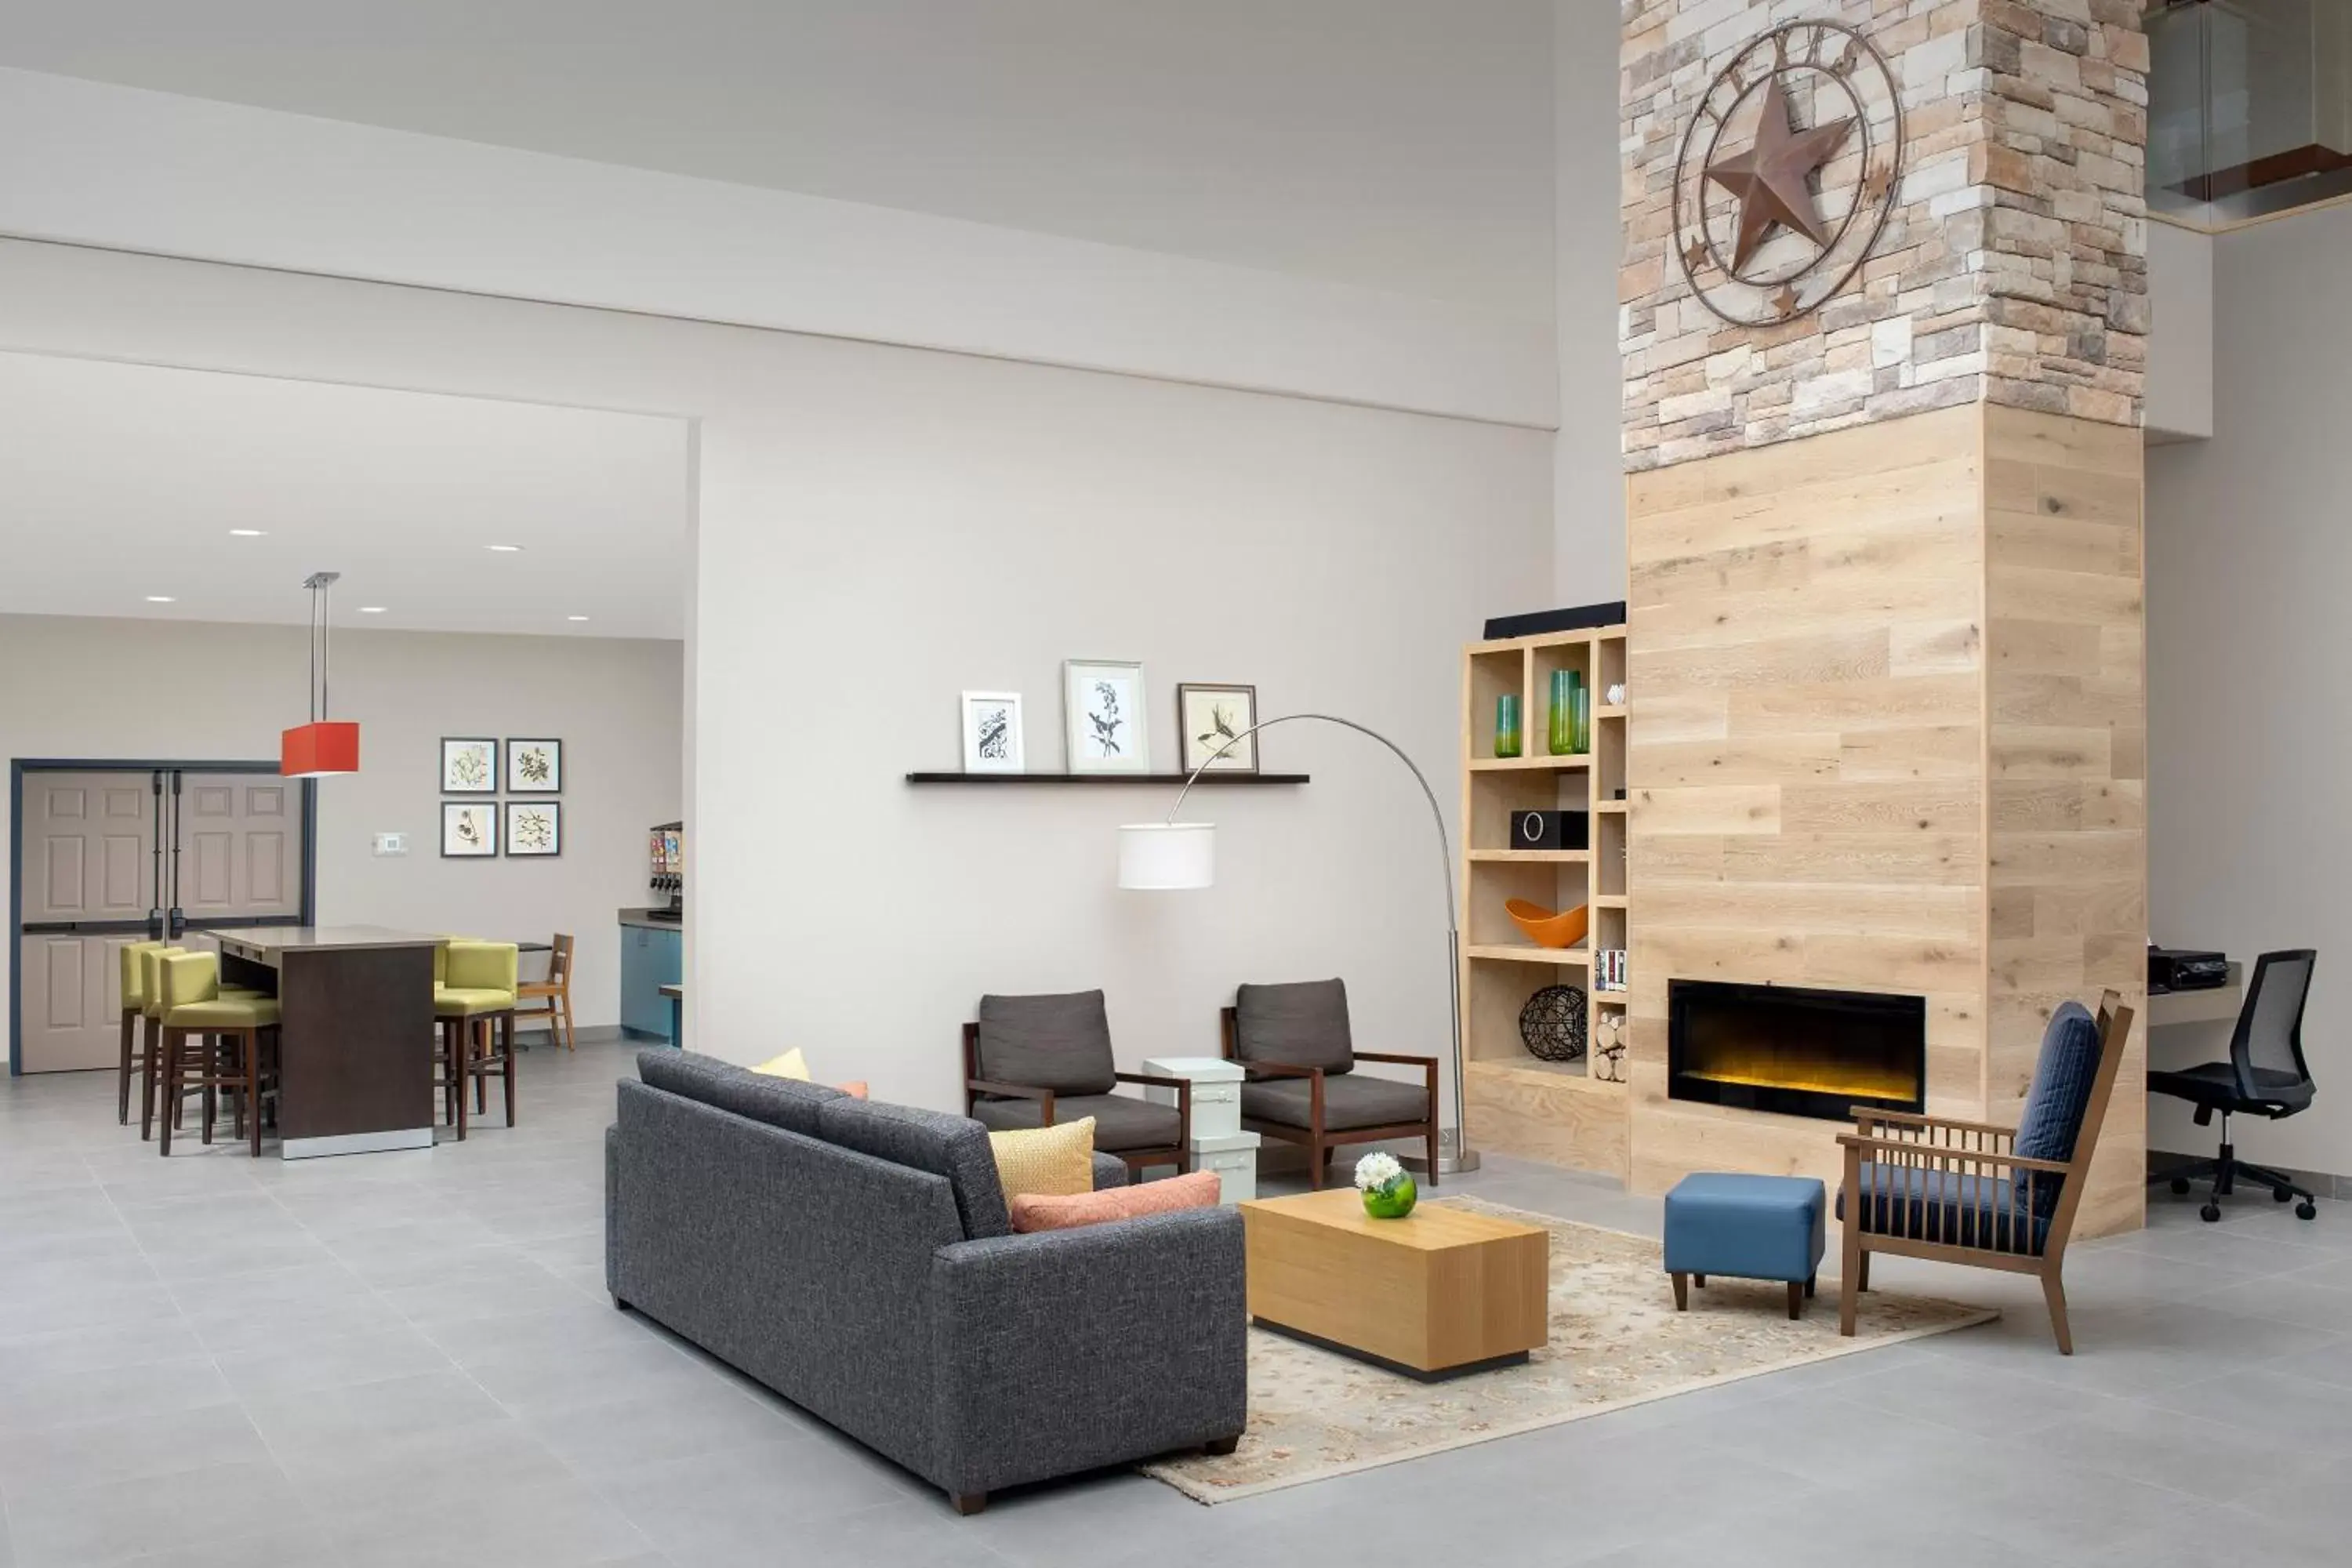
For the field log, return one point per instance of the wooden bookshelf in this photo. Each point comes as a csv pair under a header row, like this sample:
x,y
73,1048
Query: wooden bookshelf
x,y
1514,1102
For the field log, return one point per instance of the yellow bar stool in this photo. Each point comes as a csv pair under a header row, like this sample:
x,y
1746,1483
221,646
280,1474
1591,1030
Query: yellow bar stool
x,y
473,999
236,1042
151,956
136,1043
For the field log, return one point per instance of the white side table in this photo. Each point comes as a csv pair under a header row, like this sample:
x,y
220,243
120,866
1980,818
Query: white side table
x,y
1219,1143
1216,1091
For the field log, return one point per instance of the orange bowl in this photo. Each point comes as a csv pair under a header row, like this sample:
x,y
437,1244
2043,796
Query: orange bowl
x,y
1546,928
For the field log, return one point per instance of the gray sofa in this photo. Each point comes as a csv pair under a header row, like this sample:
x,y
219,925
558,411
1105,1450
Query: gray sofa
x,y
856,1257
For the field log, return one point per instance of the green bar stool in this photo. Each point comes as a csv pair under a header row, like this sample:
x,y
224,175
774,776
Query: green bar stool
x,y
135,1042
151,956
237,1041
473,999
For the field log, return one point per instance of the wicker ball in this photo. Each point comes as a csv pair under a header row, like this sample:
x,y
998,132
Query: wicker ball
x,y
1553,1023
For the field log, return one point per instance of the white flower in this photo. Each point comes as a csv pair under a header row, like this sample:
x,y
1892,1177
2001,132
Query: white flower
x,y
1377,1172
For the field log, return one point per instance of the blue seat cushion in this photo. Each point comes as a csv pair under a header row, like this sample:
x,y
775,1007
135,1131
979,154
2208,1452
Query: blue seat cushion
x,y
2060,1096
1746,1227
1944,1205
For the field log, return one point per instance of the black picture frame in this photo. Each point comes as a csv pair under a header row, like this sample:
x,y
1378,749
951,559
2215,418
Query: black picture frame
x,y
490,809
510,838
489,782
515,755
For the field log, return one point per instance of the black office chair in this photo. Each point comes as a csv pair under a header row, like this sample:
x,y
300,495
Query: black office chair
x,y
2265,1075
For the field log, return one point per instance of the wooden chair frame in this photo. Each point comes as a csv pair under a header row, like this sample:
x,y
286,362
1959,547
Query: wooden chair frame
x,y
460,1066
1137,1161
556,992
234,1059
1321,1141
1942,1145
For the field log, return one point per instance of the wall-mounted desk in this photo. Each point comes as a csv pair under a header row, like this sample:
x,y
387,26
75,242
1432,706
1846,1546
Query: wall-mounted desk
x,y
2218,1004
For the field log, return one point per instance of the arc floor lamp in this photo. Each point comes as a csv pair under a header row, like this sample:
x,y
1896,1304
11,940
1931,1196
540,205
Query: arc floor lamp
x,y
1171,856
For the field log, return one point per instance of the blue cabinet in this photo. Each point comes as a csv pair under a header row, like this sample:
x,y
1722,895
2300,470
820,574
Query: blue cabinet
x,y
650,959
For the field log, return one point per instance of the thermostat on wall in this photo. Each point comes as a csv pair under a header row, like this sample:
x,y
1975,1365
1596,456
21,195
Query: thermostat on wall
x,y
392,844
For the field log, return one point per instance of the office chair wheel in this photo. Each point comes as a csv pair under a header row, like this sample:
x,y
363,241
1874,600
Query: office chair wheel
x,y
2306,1210
2280,1194
2180,1186
2211,1212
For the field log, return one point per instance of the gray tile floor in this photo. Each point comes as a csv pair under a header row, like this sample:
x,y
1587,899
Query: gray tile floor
x,y
409,1359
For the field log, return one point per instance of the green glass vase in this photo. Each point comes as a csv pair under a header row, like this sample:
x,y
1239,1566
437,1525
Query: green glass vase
x,y
1393,1202
1506,725
1571,713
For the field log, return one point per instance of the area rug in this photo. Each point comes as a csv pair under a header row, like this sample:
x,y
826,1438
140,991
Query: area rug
x,y
1616,1339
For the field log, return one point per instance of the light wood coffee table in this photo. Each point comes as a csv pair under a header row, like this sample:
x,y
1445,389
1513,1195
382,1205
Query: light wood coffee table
x,y
1436,1294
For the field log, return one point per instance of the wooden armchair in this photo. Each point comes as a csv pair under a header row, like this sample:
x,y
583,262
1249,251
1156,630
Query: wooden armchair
x,y
1335,1105
1961,1192
1039,1061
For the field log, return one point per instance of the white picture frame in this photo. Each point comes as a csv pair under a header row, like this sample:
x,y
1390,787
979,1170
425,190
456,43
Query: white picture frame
x,y
992,732
469,829
1105,727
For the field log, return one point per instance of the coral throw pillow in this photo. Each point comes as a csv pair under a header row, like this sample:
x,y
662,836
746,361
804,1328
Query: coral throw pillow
x,y
1049,1161
1197,1191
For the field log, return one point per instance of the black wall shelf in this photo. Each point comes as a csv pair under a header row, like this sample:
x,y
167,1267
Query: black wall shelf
x,y
1178,779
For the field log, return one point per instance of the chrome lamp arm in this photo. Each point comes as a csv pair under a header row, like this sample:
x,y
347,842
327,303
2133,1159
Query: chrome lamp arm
x,y
1462,1157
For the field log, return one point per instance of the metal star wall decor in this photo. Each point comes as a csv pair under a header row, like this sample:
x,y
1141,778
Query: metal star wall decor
x,y
1788,173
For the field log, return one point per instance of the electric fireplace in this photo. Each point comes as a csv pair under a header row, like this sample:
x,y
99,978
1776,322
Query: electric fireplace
x,y
1796,1052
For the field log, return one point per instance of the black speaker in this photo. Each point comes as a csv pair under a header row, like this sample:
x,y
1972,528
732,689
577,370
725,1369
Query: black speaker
x,y
1550,830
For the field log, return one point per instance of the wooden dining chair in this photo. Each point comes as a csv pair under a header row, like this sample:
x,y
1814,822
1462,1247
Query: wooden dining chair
x,y
555,994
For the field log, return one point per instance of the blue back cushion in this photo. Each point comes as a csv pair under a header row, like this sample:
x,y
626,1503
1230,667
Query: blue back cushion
x,y
2061,1094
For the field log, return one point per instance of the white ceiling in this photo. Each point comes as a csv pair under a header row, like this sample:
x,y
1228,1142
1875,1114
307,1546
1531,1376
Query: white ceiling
x,y
1399,145
117,481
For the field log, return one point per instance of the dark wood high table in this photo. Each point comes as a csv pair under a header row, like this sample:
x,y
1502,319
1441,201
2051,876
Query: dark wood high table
x,y
355,1032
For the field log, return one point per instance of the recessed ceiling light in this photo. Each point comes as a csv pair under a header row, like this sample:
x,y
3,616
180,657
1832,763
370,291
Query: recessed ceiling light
x,y
371,609
247,533
161,599
575,617
505,549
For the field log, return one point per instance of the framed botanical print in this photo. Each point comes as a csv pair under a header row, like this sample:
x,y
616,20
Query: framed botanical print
x,y
468,766
1102,714
534,767
469,829
992,732
534,827
1210,717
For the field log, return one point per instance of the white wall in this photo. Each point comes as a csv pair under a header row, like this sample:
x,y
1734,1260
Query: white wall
x,y
93,163
880,528
2248,558
1588,469
2179,400
68,686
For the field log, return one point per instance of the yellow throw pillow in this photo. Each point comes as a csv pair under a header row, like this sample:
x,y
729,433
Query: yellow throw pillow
x,y
1046,1161
790,1064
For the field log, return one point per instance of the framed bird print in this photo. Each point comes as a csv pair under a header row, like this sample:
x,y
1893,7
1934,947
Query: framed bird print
x,y
1102,711
1218,716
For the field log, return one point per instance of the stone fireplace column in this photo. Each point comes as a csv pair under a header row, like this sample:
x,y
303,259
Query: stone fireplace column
x,y
1883,329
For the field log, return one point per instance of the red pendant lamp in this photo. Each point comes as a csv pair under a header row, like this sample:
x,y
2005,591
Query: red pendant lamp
x,y
323,746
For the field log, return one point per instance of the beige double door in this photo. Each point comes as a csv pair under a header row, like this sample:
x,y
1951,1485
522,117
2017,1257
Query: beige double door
x,y
109,857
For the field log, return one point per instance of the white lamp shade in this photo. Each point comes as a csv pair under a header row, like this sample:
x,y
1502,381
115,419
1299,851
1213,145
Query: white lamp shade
x,y
1164,856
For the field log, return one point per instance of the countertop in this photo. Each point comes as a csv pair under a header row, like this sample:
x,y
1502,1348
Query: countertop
x,y
274,940
643,917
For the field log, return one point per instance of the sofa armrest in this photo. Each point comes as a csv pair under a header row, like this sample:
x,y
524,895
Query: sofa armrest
x,y
1065,1351
1110,1171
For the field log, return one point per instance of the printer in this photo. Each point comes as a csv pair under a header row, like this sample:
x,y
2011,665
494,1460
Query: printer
x,y
2180,969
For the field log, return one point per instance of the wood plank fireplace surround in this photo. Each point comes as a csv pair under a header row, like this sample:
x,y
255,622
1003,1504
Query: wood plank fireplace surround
x,y
1886,737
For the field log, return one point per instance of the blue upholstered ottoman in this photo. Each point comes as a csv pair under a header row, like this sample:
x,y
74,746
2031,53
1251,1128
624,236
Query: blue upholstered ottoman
x,y
1744,1227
